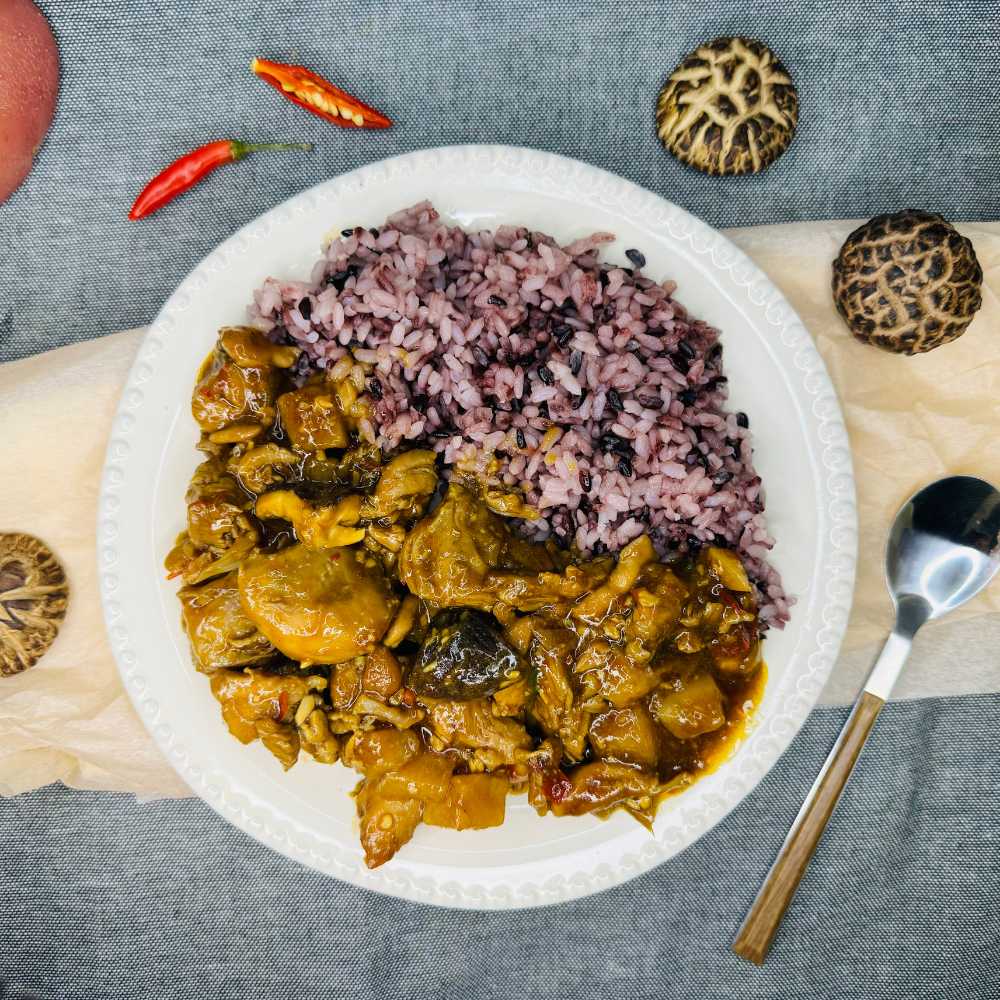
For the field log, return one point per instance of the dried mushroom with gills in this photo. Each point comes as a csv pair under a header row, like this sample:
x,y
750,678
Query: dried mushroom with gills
x,y
33,598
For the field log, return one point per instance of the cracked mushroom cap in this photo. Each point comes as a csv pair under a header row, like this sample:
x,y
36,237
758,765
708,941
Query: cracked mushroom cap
x,y
729,108
33,596
907,282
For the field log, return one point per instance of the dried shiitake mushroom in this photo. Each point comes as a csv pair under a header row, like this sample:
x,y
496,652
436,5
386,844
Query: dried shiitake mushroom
x,y
33,595
907,282
729,108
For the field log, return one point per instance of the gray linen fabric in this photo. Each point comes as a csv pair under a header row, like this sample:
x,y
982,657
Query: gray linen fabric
x,y
898,108
100,897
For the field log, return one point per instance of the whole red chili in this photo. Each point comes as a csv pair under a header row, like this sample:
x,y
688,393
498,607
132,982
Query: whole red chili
x,y
190,168
310,91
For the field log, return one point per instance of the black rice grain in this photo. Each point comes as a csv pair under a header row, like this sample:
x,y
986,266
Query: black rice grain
x,y
636,257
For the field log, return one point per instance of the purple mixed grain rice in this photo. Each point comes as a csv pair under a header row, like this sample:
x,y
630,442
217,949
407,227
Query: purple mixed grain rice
x,y
591,387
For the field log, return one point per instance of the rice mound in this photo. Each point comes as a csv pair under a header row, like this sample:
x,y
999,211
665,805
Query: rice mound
x,y
588,386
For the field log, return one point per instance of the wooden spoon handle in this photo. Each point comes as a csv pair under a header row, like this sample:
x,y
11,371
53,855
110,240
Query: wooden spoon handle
x,y
761,923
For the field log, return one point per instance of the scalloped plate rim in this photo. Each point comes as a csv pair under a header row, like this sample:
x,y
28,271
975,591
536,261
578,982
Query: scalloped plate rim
x,y
829,453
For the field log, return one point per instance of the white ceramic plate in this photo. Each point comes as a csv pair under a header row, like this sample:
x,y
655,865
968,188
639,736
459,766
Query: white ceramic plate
x,y
802,452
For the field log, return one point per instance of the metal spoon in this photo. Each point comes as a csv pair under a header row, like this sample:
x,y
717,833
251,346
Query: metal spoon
x,y
942,550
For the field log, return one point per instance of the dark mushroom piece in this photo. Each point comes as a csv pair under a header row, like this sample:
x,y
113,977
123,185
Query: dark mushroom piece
x,y
33,594
464,656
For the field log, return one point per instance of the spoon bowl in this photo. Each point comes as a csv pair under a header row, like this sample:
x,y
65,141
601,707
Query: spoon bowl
x,y
942,549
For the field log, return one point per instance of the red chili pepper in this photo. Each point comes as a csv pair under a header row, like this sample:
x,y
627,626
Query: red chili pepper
x,y
190,168
310,91
282,705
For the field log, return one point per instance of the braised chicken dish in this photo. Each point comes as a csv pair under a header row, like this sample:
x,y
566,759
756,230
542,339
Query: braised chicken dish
x,y
382,611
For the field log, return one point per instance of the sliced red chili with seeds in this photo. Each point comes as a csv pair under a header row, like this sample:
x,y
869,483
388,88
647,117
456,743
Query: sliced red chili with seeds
x,y
310,91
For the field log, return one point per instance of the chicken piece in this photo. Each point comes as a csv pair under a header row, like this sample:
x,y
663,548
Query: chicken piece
x,y
215,508
317,527
632,559
391,804
627,735
263,466
220,534
256,704
512,699
471,725
659,599
599,786
386,823
404,489
687,708
609,676
228,394
725,566
402,625
545,772
382,676
345,683
426,776
314,732
376,751
281,739
385,539
215,523
312,419
736,653
401,718
195,565
219,631
464,555
473,802
249,348
317,607
555,706
477,480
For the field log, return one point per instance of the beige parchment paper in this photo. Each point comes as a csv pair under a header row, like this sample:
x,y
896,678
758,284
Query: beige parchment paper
x,y
910,421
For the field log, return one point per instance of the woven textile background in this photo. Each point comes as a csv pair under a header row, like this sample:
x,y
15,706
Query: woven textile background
x,y
102,897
